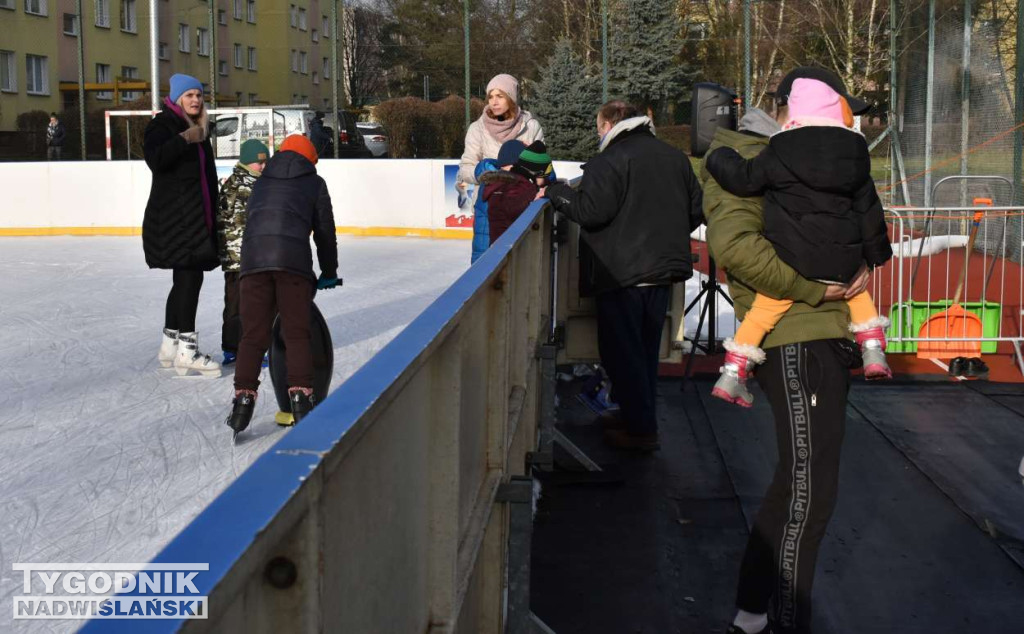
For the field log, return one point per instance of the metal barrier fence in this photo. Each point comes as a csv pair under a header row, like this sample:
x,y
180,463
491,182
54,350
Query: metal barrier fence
x,y
931,260
397,505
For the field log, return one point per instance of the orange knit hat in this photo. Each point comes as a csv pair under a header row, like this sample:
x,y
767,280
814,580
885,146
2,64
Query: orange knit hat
x,y
300,145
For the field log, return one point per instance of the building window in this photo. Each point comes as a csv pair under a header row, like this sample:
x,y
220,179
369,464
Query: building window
x,y
295,97
326,27
130,73
316,78
251,11
252,58
71,24
316,35
327,68
7,4
238,55
37,75
203,42
162,51
327,103
293,17
238,9
222,17
128,22
8,72
183,39
103,77
295,61
252,99
103,13
303,63
222,68
35,7
303,22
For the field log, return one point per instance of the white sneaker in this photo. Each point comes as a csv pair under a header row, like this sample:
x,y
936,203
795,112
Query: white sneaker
x,y
190,359
168,348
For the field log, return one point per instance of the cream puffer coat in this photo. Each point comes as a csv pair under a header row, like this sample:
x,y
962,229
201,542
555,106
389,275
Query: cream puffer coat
x,y
481,145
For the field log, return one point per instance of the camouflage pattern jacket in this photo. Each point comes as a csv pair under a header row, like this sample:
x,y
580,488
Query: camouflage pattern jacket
x,y
234,196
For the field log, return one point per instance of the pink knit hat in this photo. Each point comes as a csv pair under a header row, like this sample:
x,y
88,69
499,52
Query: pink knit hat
x,y
812,98
506,84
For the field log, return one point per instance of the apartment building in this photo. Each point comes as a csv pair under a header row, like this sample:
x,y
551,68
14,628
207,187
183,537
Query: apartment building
x,y
267,51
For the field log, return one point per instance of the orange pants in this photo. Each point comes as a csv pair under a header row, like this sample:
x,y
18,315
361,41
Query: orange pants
x,y
766,312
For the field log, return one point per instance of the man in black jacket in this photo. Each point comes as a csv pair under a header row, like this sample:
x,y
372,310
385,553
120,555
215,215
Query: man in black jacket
x,y
287,203
55,135
637,204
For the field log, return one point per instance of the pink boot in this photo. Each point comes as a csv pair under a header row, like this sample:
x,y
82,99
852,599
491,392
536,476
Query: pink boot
x,y
731,386
872,349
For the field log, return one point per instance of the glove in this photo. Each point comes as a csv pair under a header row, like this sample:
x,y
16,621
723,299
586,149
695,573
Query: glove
x,y
326,282
195,134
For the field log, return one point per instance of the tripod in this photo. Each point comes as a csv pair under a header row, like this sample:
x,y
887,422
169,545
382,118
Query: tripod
x,y
710,289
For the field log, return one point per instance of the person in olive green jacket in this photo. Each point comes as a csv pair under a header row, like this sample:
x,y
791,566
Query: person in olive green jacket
x,y
806,379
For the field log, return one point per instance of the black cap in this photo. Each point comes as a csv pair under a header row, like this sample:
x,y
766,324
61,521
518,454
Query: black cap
x,y
827,77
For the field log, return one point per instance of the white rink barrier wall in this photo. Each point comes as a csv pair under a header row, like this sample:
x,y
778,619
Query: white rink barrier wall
x,y
371,197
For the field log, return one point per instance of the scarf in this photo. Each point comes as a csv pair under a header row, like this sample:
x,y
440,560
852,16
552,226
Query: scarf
x,y
626,125
502,130
207,202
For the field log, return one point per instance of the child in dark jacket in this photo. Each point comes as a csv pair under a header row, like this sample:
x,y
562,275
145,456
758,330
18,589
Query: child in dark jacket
x,y
510,190
823,216
287,203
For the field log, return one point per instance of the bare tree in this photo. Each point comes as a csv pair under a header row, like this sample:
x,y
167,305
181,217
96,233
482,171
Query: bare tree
x,y
363,55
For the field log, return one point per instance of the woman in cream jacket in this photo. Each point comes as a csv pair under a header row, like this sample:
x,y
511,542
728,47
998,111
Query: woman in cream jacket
x,y
502,120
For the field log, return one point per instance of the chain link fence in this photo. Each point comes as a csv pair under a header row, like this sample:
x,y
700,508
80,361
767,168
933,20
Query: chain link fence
x,y
954,65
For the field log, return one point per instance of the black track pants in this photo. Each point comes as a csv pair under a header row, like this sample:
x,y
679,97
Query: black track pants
x,y
807,385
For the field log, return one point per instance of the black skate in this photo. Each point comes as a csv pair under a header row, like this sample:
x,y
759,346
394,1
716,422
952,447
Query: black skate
x,y
301,403
241,412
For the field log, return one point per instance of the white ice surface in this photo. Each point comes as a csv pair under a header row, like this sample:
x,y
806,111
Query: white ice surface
x,y
104,456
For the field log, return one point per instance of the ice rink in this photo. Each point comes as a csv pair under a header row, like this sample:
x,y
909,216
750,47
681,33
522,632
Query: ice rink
x,y
104,456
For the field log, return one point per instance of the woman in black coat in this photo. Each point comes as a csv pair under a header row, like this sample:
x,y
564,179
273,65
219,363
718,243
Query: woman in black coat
x,y
178,229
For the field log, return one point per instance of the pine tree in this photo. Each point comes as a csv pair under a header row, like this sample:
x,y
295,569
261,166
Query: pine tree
x,y
645,44
566,101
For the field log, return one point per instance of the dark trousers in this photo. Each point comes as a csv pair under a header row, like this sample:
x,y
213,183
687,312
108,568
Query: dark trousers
x,y
183,301
231,328
629,326
264,295
807,385
53,152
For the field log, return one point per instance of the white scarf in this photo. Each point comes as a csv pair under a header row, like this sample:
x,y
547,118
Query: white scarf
x,y
625,125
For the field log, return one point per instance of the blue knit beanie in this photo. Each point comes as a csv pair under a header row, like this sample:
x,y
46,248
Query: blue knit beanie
x,y
509,152
180,84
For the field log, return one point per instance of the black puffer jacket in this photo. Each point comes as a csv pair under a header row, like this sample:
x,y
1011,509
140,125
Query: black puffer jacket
x,y
288,202
174,230
637,204
821,210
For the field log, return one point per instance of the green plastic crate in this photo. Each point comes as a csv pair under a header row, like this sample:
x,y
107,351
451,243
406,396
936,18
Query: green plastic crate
x,y
916,313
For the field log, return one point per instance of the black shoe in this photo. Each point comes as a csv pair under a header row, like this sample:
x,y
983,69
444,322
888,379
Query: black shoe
x,y
301,404
957,366
735,629
241,412
976,369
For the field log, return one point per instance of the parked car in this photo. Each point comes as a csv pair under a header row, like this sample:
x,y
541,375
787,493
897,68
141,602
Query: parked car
x,y
350,141
375,137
